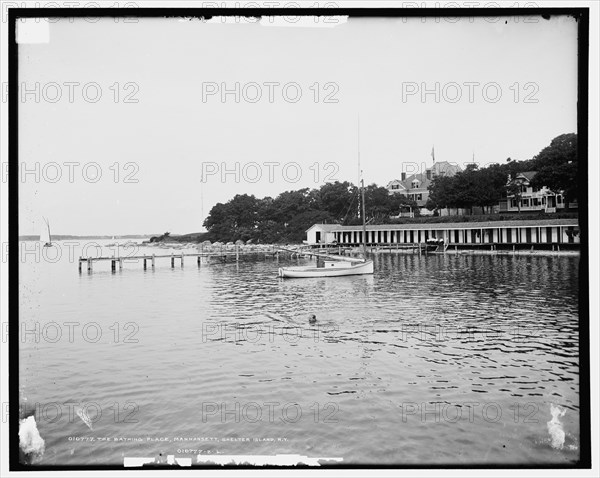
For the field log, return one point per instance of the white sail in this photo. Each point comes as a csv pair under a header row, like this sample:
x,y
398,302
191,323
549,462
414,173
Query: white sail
x,y
45,236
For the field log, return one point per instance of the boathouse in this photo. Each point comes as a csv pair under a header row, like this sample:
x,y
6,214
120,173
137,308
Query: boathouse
x,y
522,232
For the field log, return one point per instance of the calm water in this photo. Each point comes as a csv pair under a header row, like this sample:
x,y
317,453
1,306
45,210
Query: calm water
x,y
433,360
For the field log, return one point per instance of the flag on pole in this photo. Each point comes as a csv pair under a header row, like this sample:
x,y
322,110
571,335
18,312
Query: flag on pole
x,y
433,153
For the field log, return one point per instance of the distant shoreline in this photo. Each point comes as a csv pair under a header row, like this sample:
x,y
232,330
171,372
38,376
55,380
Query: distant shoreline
x,y
59,237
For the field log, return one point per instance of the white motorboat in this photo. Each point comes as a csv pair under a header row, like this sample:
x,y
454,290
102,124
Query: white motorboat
x,y
330,269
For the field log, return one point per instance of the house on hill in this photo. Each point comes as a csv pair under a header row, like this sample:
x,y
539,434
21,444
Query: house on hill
x,y
416,186
524,197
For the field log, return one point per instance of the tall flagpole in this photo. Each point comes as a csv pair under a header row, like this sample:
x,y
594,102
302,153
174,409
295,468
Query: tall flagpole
x,y
362,194
359,170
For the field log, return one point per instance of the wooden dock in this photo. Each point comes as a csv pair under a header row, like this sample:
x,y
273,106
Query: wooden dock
x,y
180,258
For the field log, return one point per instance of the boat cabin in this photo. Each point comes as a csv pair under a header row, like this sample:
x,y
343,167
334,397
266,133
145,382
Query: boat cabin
x,y
338,264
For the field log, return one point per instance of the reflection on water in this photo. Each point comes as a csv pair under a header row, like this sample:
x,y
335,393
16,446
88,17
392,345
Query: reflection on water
x,y
433,359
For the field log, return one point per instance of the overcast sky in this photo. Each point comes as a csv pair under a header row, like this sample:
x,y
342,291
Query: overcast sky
x,y
313,83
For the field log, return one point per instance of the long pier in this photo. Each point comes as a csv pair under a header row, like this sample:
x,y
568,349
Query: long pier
x,y
151,259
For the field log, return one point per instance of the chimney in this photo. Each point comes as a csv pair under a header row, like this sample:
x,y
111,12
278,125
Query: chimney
x,y
403,176
428,173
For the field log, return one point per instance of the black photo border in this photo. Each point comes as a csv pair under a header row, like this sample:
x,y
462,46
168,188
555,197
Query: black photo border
x,y
582,16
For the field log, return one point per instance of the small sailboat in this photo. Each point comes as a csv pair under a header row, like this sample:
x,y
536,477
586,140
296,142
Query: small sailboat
x,y
330,269
46,236
334,267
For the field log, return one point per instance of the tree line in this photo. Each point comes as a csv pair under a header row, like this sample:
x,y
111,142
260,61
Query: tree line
x,y
285,218
556,167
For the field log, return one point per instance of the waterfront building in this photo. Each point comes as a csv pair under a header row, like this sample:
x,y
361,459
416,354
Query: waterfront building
x,y
518,232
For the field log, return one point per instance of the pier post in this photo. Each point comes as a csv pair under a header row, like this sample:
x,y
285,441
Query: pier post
x,y
80,264
199,260
172,260
120,263
144,263
182,259
153,261
89,264
237,253
113,265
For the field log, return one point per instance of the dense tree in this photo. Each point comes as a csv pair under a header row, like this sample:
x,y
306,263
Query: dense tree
x,y
442,193
286,217
235,219
377,203
556,165
490,186
335,198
